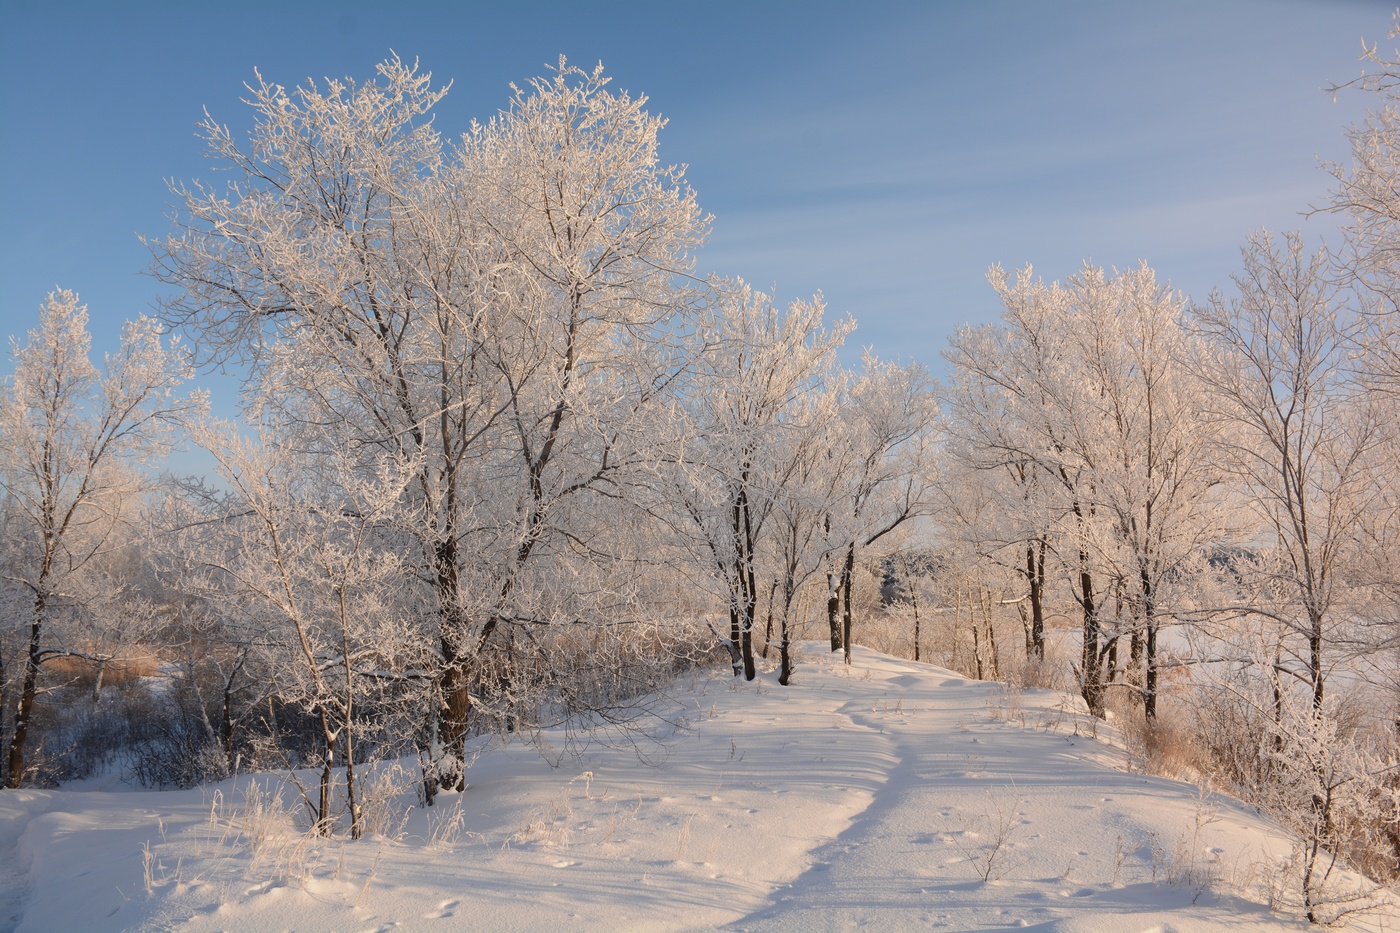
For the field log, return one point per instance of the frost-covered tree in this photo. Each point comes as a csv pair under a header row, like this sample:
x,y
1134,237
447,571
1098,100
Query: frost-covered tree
x,y
1028,381
1082,407
1295,431
1154,474
303,555
73,440
743,436
501,314
883,454
1366,194
995,506
1367,198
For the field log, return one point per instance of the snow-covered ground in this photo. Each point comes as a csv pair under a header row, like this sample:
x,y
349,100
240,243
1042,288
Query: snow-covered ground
x,y
887,795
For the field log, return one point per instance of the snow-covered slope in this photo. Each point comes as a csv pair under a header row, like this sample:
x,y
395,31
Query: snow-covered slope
x,y
889,794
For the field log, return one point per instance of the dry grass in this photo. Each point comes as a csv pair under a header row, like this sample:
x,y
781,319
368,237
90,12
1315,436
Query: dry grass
x,y
82,672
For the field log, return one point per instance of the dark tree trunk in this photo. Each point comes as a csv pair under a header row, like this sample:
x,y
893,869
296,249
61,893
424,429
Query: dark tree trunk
x,y
768,629
785,653
1315,662
848,573
976,628
736,628
454,680
226,710
992,638
833,608
1090,659
914,604
744,548
1035,576
746,646
1149,702
1149,613
32,659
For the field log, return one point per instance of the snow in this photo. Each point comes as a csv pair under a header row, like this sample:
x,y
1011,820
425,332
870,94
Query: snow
x,y
887,794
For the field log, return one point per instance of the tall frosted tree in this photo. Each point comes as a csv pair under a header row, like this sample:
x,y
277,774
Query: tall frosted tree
x,y
502,313
73,439
1296,433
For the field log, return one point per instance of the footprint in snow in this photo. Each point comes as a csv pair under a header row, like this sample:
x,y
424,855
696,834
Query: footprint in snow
x,y
444,910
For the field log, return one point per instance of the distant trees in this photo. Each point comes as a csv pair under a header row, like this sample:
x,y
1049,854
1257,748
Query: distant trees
x,y
73,441
1082,409
751,440
886,458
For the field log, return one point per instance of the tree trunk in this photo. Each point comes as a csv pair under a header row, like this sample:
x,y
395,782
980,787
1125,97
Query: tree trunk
x,y
1149,612
1090,659
833,608
744,550
322,823
914,604
785,645
848,573
1315,661
32,660
976,639
746,646
991,636
454,679
736,626
768,629
1035,580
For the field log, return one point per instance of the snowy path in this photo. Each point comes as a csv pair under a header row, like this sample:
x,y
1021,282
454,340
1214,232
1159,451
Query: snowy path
x,y
869,796
960,783
17,810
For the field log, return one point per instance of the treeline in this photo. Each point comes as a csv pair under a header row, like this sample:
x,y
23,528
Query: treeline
x,y
1204,494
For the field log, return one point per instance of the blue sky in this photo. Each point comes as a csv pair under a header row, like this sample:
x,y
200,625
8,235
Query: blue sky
x,y
886,153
